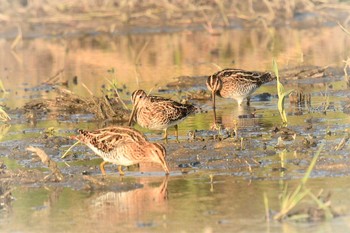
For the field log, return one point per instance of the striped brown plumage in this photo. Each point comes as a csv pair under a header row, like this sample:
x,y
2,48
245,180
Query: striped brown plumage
x,y
123,146
158,113
236,83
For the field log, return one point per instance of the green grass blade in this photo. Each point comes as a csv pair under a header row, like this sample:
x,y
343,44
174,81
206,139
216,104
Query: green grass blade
x,y
291,199
281,94
312,165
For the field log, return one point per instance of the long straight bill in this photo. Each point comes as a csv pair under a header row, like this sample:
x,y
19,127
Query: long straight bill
x,y
132,115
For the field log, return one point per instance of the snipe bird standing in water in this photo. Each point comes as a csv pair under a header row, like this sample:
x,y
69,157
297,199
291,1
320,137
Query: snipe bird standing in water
x,y
123,146
158,113
236,84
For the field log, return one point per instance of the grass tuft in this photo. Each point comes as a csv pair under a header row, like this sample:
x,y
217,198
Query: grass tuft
x,y
290,199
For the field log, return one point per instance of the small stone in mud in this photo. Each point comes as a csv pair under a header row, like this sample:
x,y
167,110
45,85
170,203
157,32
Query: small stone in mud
x,y
263,97
85,173
279,169
187,165
195,164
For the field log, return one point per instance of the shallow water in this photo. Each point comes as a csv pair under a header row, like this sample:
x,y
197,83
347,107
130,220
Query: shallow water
x,y
234,200
189,203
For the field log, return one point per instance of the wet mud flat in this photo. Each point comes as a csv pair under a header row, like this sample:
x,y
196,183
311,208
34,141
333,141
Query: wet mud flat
x,y
240,153
258,152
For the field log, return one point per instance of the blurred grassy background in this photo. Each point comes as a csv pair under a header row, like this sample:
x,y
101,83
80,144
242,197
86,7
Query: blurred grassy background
x,y
113,16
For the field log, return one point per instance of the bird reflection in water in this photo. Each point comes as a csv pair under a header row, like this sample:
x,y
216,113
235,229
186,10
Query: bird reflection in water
x,y
241,117
130,206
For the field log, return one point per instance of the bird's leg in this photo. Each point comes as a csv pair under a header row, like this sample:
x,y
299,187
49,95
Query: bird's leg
x,y
165,135
248,101
102,167
120,170
177,134
214,121
214,108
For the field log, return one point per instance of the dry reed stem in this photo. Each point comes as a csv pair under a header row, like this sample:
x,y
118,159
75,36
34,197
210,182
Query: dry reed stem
x,y
342,143
45,159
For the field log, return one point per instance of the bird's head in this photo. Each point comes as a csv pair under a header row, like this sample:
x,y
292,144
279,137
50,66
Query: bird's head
x,y
157,154
138,97
214,83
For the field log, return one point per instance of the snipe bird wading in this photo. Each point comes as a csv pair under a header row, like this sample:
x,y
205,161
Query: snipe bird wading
x,y
236,84
123,146
158,113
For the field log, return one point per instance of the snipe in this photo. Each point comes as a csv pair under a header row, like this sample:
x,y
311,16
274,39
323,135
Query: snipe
x,y
158,113
236,84
123,146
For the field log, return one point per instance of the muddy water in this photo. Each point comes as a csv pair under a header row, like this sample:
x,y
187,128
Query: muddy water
x,y
189,202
